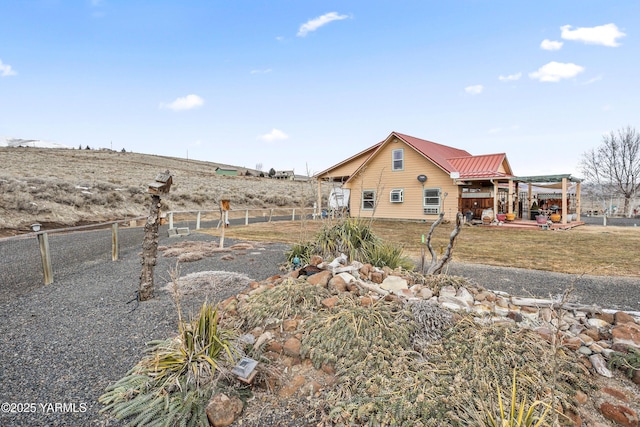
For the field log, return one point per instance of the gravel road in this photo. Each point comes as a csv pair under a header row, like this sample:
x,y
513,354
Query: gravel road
x,y
65,342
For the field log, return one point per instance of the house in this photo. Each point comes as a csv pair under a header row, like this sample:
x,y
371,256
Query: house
x,y
403,177
290,175
226,171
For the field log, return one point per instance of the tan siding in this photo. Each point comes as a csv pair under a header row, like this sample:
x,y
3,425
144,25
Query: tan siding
x,y
346,169
378,176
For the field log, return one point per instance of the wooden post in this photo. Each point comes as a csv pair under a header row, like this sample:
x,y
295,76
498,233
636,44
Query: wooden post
x,y
578,204
293,215
43,241
246,217
114,241
198,221
149,250
270,214
565,207
171,220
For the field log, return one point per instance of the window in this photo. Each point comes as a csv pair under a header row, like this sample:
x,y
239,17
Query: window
x,y
431,201
398,159
397,195
368,200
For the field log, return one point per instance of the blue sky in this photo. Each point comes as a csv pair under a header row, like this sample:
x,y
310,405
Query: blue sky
x,y
304,84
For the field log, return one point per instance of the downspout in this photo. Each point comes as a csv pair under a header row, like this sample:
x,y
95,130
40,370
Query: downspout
x,y
495,198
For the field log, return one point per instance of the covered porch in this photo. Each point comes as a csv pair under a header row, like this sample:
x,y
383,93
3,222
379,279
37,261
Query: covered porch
x,y
517,201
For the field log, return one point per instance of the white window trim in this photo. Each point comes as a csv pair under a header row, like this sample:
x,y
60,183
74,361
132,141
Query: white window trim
x,y
431,209
373,201
393,159
399,192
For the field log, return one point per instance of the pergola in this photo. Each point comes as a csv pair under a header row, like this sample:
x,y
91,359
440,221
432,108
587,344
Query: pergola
x,y
563,181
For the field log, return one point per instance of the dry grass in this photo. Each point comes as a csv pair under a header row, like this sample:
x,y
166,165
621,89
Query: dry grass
x,y
591,249
69,187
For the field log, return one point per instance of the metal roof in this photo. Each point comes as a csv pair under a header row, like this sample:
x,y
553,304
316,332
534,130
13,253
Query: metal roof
x,y
547,178
483,166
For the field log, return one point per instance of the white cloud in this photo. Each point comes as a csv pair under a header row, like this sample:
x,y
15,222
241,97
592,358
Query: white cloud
x,y
265,71
6,70
510,77
185,103
474,90
556,71
551,44
274,135
314,24
605,35
607,107
593,80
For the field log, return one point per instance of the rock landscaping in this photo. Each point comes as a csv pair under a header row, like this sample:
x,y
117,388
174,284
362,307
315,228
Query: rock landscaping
x,y
358,345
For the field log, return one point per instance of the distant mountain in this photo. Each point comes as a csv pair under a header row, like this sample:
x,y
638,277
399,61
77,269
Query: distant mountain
x,y
6,141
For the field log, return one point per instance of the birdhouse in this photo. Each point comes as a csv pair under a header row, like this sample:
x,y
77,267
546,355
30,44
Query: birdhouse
x,y
162,183
225,204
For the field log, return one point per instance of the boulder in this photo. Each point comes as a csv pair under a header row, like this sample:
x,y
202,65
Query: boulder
x,y
223,410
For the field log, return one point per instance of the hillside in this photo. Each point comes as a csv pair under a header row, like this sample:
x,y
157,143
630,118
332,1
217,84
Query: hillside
x,y
72,186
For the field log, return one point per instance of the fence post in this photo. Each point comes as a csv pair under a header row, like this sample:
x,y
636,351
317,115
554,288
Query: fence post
x,y
114,241
270,214
43,241
246,217
170,220
198,221
293,215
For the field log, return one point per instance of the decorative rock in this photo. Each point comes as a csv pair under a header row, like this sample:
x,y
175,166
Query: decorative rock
x,y
394,284
586,339
425,293
595,348
598,323
222,410
338,284
593,333
376,277
447,292
482,309
265,337
619,414
627,334
464,295
320,279
292,347
585,350
581,397
530,313
600,365
572,343
621,317
315,260
366,301
289,389
290,325
607,317
615,393
515,316
329,302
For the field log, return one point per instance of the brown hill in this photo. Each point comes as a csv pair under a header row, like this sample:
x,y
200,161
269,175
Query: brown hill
x,y
72,186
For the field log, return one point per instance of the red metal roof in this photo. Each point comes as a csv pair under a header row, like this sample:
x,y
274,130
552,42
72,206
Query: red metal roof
x,y
449,159
437,153
482,166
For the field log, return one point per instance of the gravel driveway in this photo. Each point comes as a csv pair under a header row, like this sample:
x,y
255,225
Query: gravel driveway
x,y
64,343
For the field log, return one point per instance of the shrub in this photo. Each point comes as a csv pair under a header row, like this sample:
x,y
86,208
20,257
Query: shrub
x,y
174,382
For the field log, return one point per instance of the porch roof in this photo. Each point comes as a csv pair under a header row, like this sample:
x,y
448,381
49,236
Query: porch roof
x,y
547,178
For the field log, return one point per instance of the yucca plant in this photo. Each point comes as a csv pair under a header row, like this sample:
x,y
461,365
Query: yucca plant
x,y
518,415
175,380
386,254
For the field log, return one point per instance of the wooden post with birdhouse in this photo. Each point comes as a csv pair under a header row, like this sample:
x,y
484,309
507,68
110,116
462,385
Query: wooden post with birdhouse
x,y
225,206
158,187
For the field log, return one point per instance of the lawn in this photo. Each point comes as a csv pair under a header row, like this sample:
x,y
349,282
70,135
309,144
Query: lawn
x,y
597,250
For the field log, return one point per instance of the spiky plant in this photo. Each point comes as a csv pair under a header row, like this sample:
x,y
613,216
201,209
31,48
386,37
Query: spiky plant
x,y
172,384
524,414
629,362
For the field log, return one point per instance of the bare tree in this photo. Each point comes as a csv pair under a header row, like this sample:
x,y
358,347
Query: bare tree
x,y
615,165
